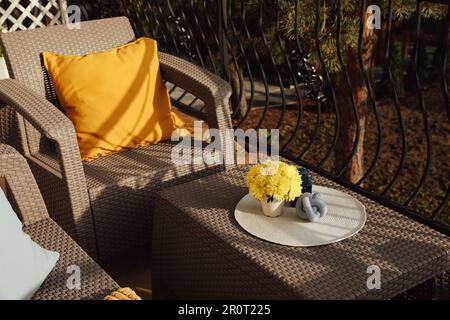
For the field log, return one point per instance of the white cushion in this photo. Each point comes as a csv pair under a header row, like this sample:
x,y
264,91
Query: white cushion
x,y
24,265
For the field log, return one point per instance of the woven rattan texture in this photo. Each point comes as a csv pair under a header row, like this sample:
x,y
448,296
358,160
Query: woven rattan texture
x,y
122,186
23,55
201,252
57,127
23,190
76,197
95,282
24,194
211,89
23,52
8,128
23,49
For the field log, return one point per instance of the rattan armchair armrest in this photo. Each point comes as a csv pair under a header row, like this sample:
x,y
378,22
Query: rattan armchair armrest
x,y
206,86
20,182
53,124
47,119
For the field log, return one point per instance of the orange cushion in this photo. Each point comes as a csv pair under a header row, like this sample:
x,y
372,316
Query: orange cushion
x,y
186,123
116,99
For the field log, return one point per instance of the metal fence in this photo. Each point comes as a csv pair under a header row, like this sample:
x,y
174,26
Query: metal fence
x,y
360,98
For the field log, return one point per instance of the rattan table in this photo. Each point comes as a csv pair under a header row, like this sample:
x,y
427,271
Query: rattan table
x,y
199,250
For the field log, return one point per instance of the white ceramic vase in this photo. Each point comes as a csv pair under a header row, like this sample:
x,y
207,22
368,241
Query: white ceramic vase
x,y
273,208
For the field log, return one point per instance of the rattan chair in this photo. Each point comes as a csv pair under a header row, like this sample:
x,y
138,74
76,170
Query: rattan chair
x,y
24,195
109,199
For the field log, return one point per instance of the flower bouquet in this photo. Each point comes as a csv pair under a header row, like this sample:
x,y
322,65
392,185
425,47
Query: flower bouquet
x,y
272,183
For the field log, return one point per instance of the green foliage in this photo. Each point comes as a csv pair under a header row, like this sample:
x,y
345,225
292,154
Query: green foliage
x,y
327,29
403,11
397,68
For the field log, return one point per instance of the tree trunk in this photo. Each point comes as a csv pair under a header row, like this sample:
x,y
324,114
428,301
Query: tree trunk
x,y
348,132
238,104
405,43
354,169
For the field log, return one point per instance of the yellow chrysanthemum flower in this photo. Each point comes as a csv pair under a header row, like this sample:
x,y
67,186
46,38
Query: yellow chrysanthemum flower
x,y
274,179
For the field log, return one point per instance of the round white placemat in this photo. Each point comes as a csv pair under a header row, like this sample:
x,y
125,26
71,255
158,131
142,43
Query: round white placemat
x,y
346,216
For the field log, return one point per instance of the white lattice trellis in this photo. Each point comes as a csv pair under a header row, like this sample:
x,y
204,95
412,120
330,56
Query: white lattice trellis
x,y
30,14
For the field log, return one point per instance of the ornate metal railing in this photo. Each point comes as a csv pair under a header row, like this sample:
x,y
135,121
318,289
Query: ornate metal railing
x,y
362,102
